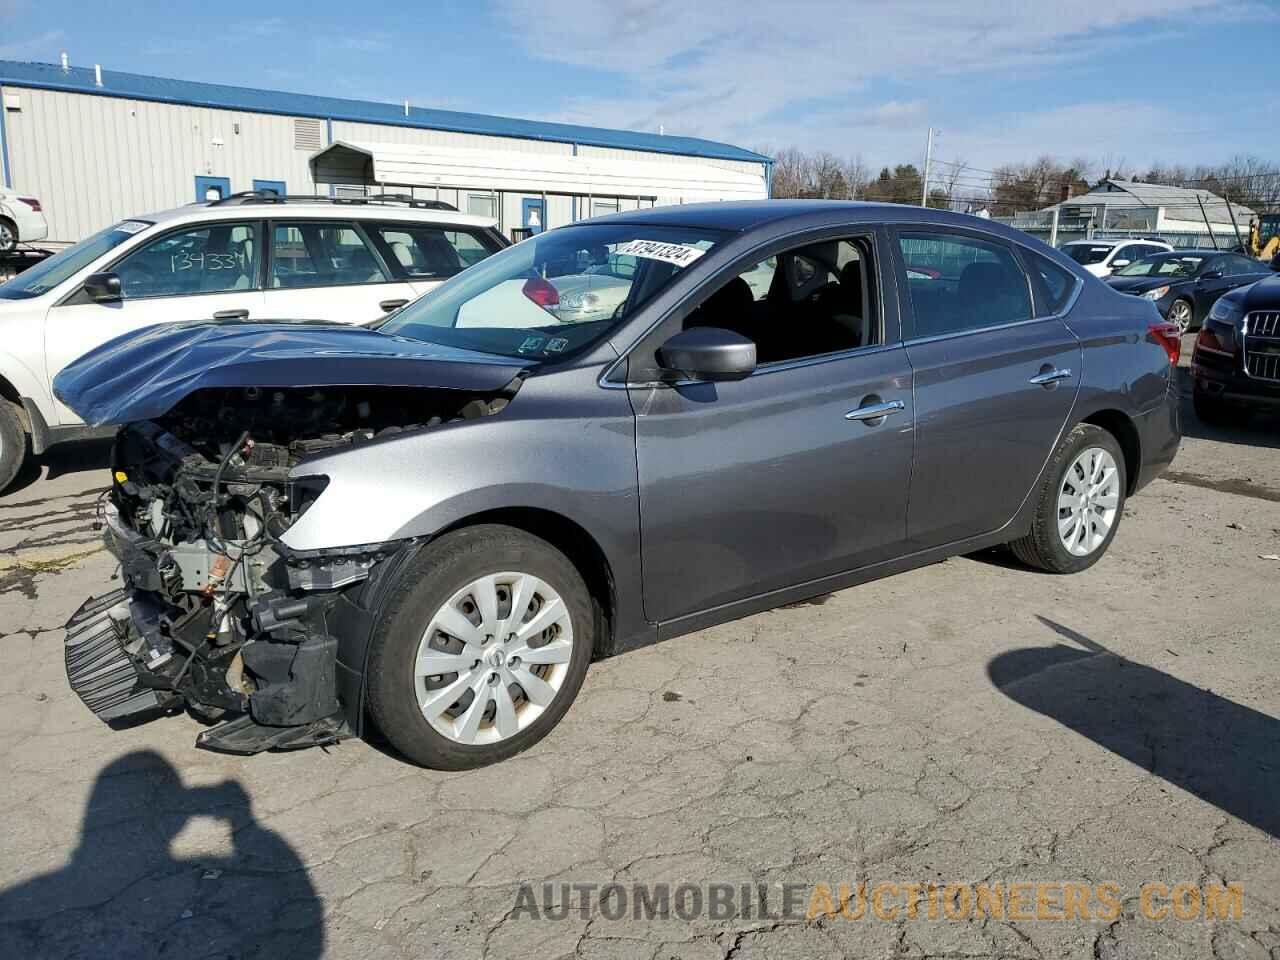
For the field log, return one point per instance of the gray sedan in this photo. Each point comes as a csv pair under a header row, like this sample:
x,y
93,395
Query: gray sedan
x,y
433,526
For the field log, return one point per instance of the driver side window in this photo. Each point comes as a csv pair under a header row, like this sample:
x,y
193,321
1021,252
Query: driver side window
x,y
805,302
215,258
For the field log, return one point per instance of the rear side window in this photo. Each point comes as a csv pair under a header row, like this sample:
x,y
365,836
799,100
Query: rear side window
x,y
432,252
316,254
1058,282
957,283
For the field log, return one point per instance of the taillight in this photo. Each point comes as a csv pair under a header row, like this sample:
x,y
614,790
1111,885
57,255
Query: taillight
x,y
31,202
1167,335
541,292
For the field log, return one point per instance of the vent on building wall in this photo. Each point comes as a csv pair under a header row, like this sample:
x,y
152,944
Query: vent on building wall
x,y
350,192
308,135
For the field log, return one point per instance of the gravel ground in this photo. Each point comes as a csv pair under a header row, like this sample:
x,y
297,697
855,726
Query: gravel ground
x,y
971,722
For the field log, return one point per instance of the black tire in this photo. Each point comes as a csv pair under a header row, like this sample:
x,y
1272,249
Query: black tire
x,y
15,444
1190,315
1043,547
444,567
8,236
1212,410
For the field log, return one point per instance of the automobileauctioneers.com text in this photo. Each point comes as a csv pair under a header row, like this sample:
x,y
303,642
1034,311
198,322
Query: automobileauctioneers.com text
x,y
883,901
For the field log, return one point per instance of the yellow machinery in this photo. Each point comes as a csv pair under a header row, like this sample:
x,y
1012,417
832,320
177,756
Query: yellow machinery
x,y
1264,236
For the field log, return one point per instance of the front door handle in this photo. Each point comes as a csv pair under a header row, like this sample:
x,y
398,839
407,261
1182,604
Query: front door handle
x,y
240,314
875,411
1049,377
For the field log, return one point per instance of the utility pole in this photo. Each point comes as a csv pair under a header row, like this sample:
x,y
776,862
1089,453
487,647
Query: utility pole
x,y
928,159
1234,226
1207,225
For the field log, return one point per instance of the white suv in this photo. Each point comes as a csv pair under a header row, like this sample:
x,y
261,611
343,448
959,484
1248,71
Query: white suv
x,y
1101,257
21,220
250,256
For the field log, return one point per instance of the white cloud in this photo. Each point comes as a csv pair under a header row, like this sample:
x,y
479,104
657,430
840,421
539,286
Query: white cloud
x,y
754,72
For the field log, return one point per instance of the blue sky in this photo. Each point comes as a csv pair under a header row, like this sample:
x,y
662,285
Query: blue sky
x,y
1130,82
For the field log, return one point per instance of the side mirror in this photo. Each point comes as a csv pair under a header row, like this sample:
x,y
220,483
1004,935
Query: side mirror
x,y
1117,264
708,353
103,287
1211,275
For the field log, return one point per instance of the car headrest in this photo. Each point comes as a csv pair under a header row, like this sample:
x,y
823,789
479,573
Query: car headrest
x,y
727,307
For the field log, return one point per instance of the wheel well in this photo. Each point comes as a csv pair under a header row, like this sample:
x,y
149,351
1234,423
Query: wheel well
x,y
571,540
1121,427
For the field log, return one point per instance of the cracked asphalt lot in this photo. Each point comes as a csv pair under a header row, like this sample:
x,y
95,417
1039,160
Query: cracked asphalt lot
x,y
969,722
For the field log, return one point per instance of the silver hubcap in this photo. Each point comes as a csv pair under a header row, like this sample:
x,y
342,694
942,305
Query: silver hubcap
x,y
493,658
6,236
1088,501
1180,313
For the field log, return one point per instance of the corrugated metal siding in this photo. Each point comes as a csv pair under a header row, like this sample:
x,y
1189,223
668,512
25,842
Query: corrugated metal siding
x,y
376,133
95,160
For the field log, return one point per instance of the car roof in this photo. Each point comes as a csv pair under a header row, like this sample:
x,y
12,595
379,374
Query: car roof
x,y
741,215
321,209
1114,242
1188,252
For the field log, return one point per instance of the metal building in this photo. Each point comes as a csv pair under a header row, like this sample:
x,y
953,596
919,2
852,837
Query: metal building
x,y
98,146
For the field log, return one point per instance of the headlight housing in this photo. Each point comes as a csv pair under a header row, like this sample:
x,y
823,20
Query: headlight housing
x,y
1156,294
1227,311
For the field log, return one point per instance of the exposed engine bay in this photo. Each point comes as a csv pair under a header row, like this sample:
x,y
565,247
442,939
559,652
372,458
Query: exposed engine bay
x,y
217,613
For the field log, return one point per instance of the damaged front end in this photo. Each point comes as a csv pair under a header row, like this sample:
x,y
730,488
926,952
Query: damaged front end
x,y
217,613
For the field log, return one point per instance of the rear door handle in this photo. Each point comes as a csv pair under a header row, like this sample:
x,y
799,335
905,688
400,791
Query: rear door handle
x,y
1048,377
241,314
875,411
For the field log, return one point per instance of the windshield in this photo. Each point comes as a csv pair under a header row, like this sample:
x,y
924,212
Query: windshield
x,y
47,274
556,293
1165,265
1086,253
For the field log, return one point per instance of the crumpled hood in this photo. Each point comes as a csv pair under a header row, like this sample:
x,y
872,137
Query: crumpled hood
x,y
144,373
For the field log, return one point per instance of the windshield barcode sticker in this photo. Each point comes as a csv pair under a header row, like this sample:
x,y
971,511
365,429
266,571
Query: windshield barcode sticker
x,y
679,254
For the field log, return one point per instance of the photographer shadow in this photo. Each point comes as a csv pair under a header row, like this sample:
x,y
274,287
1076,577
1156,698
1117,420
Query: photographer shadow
x,y
1214,748
126,893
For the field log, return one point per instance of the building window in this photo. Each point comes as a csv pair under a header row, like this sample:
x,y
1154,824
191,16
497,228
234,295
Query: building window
x,y
482,205
601,207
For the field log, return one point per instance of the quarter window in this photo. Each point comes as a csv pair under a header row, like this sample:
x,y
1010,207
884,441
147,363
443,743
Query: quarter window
x,y
215,258
321,255
804,302
961,283
1059,283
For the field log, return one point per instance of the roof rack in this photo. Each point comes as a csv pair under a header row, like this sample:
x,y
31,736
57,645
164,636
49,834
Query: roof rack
x,y
267,196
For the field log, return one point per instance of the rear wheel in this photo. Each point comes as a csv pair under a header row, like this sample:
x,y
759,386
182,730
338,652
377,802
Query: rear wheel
x,y
1079,503
15,445
481,649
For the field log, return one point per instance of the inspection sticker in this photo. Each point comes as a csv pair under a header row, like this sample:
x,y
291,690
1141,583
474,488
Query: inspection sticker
x,y
132,226
680,254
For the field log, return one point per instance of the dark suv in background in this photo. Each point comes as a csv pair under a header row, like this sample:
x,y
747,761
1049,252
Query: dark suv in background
x,y
1185,285
1235,368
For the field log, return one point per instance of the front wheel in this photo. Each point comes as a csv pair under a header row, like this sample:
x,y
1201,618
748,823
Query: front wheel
x,y
8,236
1181,315
1211,410
15,445
481,648
1079,503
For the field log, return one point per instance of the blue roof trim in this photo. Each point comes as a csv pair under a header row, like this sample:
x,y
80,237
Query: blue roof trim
x,y
133,86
